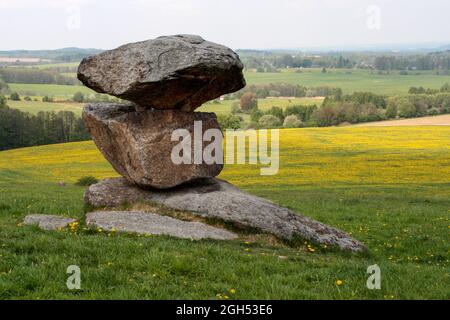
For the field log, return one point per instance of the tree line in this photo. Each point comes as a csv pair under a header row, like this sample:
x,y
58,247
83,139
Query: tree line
x,y
341,109
35,76
262,91
366,106
269,61
21,129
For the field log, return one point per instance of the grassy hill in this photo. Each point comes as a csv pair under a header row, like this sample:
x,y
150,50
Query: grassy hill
x,y
388,187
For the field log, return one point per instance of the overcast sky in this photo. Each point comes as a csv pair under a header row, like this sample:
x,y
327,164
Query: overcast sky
x,y
51,24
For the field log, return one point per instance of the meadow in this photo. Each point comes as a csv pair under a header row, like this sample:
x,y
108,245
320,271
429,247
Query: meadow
x,y
352,80
387,187
59,92
35,106
220,107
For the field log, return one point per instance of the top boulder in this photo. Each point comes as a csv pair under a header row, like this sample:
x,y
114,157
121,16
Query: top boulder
x,y
169,72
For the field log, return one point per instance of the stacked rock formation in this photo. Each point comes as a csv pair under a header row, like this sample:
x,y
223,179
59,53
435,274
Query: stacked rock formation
x,y
165,80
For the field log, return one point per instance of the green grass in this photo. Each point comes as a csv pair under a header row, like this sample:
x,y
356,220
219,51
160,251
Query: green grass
x,y
57,65
388,187
224,107
35,106
54,90
352,80
349,80
69,74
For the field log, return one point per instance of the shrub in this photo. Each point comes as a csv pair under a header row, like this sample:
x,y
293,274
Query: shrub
x,y
433,112
229,121
86,181
269,121
406,109
4,88
235,108
14,96
47,99
78,97
277,112
27,98
256,114
292,121
391,110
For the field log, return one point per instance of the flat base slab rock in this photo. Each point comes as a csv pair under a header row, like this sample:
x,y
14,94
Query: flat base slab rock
x,y
150,223
215,198
48,222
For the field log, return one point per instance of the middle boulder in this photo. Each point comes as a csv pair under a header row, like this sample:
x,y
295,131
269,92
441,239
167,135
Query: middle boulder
x,y
140,145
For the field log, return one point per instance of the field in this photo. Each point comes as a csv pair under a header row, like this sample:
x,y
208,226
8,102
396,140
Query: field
x,y
388,186
442,120
58,65
35,106
352,80
222,107
59,92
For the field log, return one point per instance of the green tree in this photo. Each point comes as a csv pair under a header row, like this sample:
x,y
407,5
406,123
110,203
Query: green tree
x,y
391,109
277,112
4,88
78,97
292,121
2,101
269,121
14,96
445,87
229,121
47,99
406,108
256,114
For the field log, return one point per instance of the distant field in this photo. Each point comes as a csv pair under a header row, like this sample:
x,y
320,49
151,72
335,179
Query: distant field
x,y
224,107
53,65
54,90
18,59
351,80
69,74
36,106
443,120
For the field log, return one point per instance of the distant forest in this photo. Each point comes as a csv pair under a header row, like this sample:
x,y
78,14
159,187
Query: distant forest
x,y
20,129
35,75
268,61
